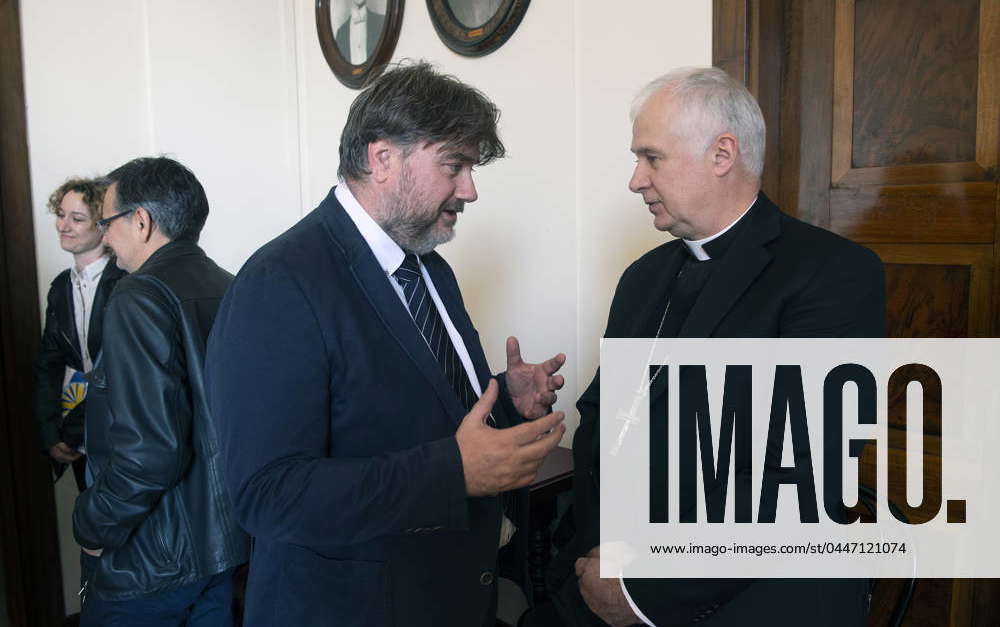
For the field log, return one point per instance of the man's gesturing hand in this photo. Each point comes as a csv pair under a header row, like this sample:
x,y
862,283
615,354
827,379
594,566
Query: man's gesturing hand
x,y
532,387
496,460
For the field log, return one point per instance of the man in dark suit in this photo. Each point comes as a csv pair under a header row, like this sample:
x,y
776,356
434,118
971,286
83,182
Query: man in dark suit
x,y
739,268
363,448
357,36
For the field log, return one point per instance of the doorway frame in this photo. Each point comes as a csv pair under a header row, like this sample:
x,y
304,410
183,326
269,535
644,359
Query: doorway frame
x,y
29,543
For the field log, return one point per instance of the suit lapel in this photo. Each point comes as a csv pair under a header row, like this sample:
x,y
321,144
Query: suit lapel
x,y
67,320
723,289
743,262
745,259
451,297
655,307
391,311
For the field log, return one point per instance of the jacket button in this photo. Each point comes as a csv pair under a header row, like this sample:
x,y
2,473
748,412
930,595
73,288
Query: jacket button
x,y
486,578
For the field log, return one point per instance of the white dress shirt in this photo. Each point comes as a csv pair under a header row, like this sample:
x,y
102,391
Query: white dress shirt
x,y
359,35
697,246
85,282
390,256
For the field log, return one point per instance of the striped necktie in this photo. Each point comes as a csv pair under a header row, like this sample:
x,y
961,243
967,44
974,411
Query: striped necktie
x,y
428,320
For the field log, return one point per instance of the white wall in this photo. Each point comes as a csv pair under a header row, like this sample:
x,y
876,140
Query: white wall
x,y
239,91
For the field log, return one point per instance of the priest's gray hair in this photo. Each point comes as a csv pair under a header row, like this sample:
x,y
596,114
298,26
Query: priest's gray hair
x,y
714,103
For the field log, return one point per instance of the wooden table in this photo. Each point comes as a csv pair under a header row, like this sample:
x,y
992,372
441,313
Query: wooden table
x,y
554,477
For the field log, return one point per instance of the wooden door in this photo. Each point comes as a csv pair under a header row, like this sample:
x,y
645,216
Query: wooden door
x,y
29,546
883,123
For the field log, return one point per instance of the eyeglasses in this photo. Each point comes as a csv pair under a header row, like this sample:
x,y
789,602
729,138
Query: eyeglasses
x,y
102,225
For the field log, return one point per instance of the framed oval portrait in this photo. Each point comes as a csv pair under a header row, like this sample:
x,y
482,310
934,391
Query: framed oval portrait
x,y
476,27
358,37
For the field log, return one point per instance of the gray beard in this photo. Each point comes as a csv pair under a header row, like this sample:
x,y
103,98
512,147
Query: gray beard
x,y
413,234
414,231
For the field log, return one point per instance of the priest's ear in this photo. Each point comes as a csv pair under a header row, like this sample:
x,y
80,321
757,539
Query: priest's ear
x,y
724,151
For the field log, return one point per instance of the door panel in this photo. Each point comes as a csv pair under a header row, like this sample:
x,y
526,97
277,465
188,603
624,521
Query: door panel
x,y
917,214
938,290
914,89
883,127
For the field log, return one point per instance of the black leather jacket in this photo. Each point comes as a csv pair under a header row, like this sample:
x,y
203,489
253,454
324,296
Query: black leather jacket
x,y
61,348
157,505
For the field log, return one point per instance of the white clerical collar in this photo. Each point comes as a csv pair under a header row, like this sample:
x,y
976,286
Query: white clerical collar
x,y
387,252
697,246
90,271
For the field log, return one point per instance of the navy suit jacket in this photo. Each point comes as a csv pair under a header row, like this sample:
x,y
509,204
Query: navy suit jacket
x,y
780,277
337,427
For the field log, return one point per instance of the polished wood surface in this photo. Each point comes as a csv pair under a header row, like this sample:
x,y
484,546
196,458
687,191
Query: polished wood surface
x,y
904,299
914,87
554,477
916,98
919,214
556,469
927,300
887,116
806,105
729,37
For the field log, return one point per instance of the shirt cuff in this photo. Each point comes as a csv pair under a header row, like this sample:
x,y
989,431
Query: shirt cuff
x,y
631,604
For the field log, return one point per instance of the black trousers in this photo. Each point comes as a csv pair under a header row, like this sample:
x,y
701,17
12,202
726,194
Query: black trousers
x,y
79,471
775,603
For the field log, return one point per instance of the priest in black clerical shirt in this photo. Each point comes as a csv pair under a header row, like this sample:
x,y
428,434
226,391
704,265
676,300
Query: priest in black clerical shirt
x,y
739,268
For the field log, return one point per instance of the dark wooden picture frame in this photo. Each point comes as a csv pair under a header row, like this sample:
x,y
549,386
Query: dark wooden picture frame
x,y
352,75
478,39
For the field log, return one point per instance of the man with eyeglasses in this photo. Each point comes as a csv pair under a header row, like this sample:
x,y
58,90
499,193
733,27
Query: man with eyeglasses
x,y
160,542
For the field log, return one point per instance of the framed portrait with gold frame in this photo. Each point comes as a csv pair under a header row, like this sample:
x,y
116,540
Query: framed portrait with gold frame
x,y
474,28
358,37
